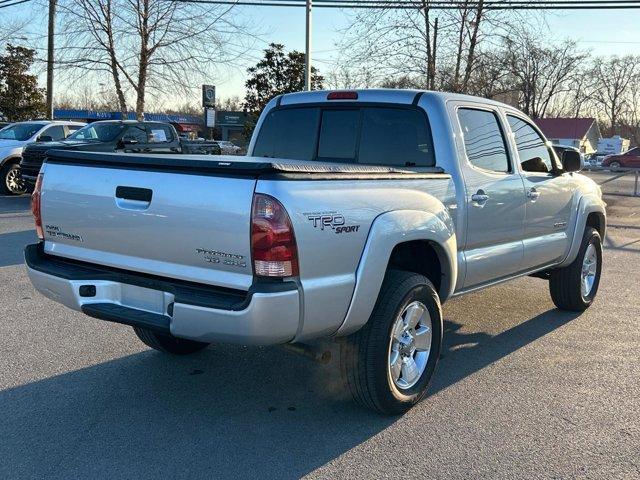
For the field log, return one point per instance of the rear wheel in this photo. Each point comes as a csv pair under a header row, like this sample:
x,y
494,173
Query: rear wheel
x,y
11,182
168,343
575,286
389,362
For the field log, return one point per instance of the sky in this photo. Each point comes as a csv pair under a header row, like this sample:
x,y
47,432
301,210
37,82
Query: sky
x,y
612,32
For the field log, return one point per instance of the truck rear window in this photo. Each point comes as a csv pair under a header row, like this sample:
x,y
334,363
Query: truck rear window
x,y
367,135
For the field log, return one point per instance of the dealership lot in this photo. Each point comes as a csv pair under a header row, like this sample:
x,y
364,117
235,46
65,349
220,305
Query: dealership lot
x,y
522,391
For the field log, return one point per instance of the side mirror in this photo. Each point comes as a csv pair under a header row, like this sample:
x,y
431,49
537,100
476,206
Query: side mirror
x,y
571,161
45,138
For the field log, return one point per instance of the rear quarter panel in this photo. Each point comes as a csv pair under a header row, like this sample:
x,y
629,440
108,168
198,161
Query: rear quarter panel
x,y
332,220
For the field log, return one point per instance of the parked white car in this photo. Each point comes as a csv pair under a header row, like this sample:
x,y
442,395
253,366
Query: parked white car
x,y
15,136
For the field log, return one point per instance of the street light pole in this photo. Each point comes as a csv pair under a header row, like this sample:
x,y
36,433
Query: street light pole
x,y
52,21
307,57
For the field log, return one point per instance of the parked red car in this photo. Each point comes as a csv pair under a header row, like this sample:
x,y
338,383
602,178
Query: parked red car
x,y
628,159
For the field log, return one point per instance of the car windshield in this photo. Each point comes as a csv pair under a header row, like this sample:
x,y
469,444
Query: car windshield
x,y
101,132
20,131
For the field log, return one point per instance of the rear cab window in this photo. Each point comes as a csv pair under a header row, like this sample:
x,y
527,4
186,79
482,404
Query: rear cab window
x,y
373,135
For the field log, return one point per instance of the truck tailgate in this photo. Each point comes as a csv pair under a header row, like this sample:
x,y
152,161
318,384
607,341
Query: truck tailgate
x,y
186,225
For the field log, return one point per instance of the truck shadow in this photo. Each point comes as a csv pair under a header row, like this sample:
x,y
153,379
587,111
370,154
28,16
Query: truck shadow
x,y
228,411
12,246
15,204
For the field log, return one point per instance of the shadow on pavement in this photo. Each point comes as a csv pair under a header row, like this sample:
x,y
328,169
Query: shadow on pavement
x,y
15,204
228,411
12,245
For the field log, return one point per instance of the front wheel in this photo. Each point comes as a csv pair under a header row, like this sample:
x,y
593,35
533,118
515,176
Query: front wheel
x,y
575,286
11,182
389,362
168,343
614,166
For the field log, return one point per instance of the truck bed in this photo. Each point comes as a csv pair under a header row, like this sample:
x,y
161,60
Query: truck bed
x,y
249,166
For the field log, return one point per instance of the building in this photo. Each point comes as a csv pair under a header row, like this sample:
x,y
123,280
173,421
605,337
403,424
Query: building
x,y
581,133
232,126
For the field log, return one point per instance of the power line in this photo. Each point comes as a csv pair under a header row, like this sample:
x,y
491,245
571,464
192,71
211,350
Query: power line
x,y
6,4
417,5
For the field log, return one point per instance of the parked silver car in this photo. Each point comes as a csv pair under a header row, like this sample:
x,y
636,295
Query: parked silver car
x,y
354,216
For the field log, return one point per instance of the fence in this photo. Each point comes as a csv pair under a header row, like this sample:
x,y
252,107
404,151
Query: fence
x,y
625,182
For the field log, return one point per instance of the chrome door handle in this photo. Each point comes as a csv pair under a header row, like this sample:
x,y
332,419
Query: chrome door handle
x,y
479,197
533,194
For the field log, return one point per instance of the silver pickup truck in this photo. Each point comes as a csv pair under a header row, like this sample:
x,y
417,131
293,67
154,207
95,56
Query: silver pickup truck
x,y
354,216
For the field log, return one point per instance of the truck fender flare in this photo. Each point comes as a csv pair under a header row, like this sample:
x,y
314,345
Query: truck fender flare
x,y
388,230
588,204
10,159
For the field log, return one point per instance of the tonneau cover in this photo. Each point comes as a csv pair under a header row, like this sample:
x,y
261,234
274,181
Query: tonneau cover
x,y
226,163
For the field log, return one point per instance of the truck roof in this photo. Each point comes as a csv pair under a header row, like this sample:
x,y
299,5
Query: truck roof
x,y
381,95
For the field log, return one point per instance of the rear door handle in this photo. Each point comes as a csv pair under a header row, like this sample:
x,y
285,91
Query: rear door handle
x,y
533,194
479,197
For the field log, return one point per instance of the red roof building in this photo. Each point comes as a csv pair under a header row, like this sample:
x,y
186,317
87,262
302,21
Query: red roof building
x,y
582,133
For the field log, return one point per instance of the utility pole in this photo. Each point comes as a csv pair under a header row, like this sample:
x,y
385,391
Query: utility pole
x,y
52,24
307,56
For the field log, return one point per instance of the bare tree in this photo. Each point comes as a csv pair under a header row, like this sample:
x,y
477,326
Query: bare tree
x,y
437,49
157,47
541,72
616,83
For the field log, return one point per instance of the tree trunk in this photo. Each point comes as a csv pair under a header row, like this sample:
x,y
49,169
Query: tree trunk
x,y
113,61
472,46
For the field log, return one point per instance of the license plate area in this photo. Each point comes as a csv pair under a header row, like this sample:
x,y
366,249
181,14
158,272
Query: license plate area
x,y
146,299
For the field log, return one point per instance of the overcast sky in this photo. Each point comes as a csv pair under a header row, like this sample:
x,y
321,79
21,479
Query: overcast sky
x,y
600,32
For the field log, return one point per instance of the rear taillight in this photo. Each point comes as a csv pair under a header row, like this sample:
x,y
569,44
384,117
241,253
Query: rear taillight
x,y
35,206
273,244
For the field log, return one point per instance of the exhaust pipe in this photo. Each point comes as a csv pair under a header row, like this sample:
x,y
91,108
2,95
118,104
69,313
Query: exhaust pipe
x,y
312,352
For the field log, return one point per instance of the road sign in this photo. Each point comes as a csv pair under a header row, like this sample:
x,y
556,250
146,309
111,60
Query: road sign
x,y
210,117
208,96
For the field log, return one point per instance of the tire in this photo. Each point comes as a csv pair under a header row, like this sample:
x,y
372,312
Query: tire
x,y
11,182
565,284
168,343
367,354
614,166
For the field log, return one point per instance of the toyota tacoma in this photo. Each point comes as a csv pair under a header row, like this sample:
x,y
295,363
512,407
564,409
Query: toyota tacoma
x,y
355,216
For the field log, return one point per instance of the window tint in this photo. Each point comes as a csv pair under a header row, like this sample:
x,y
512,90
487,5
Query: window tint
x,y
160,133
338,135
137,132
103,132
395,137
73,128
532,150
483,140
56,132
633,151
289,133
20,131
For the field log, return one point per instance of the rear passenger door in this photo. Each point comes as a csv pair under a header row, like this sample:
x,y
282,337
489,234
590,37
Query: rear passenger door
x,y
549,195
134,138
495,198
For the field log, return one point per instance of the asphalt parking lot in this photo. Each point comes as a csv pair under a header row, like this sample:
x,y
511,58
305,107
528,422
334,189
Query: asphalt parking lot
x,y
522,391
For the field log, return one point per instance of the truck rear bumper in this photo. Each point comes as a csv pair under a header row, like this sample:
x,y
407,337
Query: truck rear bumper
x,y
267,314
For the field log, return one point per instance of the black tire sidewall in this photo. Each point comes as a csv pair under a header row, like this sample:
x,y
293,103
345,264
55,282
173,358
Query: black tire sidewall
x,y
395,399
4,173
